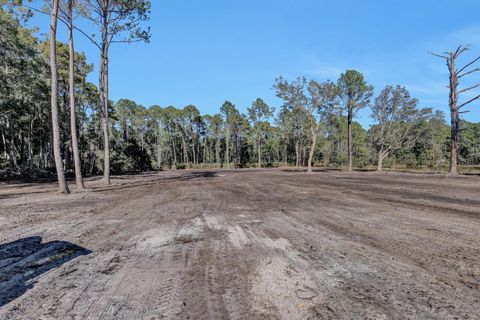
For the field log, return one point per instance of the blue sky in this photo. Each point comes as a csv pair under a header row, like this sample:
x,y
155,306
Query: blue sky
x,y
206,52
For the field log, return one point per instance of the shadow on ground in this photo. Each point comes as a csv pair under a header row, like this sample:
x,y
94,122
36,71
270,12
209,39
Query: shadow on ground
x,y
22,261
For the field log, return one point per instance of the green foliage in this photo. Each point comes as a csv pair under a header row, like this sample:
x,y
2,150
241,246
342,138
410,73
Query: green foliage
x,y
361,147
168,137
469,146
259,114
129,157
396,115
123,18
24,95
354,91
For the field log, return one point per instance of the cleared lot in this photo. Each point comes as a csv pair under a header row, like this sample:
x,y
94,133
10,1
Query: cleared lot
x,y
250,244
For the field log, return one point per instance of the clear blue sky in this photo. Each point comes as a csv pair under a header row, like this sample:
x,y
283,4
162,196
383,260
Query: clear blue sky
x,y
206,52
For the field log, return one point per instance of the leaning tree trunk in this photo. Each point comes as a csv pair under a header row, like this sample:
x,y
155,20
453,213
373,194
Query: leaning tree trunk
x,y
350,138
453,100
73,113
62,183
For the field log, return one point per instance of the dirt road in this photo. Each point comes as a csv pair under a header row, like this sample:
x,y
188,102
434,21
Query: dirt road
x,y
247,244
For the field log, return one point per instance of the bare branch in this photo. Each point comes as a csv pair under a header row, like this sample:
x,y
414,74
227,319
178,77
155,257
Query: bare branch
x,y
66,23
469,88
438,55
126,41
469,101
469,72
468,65
457,52
461,49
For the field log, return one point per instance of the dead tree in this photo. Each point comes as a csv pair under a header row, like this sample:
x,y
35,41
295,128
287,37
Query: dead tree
x,y
456,74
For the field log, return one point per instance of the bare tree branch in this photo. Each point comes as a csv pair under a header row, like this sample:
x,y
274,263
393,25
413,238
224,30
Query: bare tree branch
x,y
469,88
469,72
461,49
469,101
438,55
468,65
457,52
127,41
66,23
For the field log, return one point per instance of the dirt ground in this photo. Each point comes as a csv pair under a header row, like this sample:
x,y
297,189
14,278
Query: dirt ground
x,y
248,244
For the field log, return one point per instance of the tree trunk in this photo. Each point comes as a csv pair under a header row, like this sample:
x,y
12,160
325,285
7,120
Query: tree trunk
x,y
159,157
312,150
107,123
304,156
174,153
12,158
217,151
185,152
199,155
62,183
227,148
381,156
277,153
259,154
29,146
193,152
73,113
159,149
453,99
454,143
41,158
106,139
238,151
103,84
93,158
297,154
350,143
5,155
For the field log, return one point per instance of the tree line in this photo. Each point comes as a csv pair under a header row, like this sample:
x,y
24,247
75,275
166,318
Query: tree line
x,y
52,118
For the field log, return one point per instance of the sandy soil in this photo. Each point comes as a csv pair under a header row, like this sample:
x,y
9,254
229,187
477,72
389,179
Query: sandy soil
x,y
250,244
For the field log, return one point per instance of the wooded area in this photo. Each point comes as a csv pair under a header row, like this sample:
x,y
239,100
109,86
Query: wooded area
x,y
315,126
